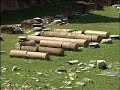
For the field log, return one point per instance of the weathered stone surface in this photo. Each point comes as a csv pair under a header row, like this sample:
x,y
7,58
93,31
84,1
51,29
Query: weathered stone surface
x,y
94,45
9,29
115,36
73,62
28,23
101,64
106,41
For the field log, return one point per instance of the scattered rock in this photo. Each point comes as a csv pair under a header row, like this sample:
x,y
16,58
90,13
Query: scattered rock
x,y
28,23
73,62
37,33
53,88
72,76
58,21
2,52
67,82
61,87
106,41
59,72
37,80
80,83
115,36
66,77
3,69
37,29
15,68
94,45
101,64
80,64
18,30
39,73
22,38
78,71
37,25
92,65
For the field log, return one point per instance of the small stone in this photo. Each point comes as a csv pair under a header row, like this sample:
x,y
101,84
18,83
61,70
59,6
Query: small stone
x,y
22,37
73,62
71,74
37,29
80,83
39,73
71,78
2,52
78,71
37,33
92,65
3,69
15,68
94,45
37,80
62,87
115,36
66,77
59,72
101,64
58,21
93,61
37,25
67,82
80,64
39,87
106,41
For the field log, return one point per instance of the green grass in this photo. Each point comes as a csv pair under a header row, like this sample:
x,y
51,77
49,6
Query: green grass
x,y
106,20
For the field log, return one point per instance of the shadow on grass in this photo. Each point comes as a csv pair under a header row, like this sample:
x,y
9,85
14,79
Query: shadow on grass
x,y
93,18
15,17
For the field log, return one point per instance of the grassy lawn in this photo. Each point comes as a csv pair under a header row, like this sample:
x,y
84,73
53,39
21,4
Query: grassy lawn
x,y
106,20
